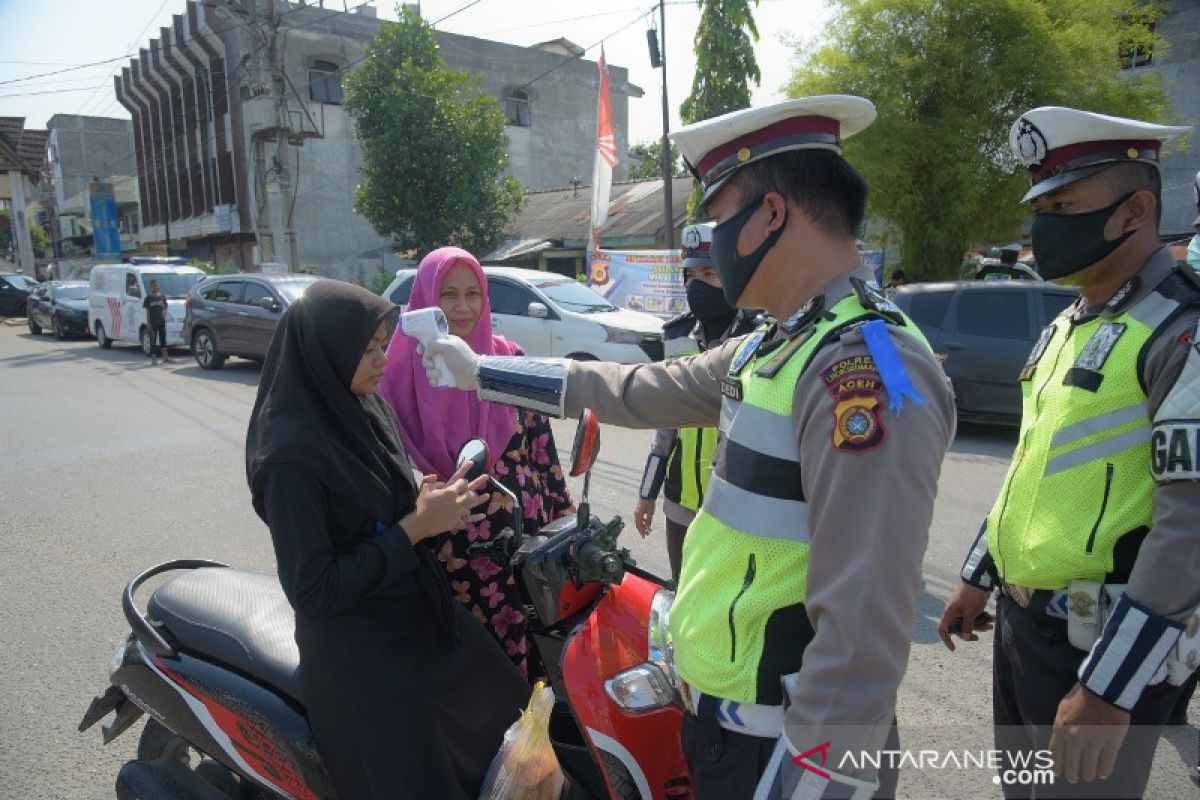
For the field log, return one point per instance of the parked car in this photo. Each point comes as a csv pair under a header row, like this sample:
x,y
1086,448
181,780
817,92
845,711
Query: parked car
x,y
115,311
236,315
61,306
552,315
14,293
984,331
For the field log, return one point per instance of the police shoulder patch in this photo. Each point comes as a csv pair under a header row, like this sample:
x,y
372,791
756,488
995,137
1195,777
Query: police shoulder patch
x,y
856,389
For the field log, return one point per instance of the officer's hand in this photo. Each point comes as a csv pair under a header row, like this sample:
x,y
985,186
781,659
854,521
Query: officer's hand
x,y
643,516
458,359
1088,732
964,606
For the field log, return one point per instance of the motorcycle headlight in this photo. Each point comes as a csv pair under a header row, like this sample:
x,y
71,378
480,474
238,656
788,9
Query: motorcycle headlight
x,y
621,335
641,688
661,648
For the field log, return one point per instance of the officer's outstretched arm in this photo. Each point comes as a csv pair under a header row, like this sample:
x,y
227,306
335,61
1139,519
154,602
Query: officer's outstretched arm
x,y
870,474
682,392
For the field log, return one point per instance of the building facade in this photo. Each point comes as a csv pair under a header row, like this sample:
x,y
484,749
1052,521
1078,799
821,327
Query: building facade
x,y
1179,69
20,157
80,150
247,154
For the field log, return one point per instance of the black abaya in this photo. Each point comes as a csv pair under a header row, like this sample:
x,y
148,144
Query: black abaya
x,y
407,694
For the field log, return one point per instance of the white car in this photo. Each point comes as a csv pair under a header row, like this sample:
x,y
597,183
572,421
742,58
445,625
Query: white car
x,y
115,311
552,315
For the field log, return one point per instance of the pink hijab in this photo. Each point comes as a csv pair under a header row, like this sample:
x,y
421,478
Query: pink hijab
x,y
436,422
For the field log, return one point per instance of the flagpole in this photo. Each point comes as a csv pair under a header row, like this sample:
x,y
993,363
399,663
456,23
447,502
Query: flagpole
x,y
668,201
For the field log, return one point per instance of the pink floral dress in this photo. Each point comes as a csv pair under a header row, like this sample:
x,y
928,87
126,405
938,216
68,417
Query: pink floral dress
x,y
530,469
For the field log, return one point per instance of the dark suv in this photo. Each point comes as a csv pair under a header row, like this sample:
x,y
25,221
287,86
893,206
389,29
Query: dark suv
x,y
984,330
236,315
14,293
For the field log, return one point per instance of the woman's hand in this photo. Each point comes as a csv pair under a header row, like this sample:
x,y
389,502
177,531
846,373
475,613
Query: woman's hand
x,y
643,516
444,506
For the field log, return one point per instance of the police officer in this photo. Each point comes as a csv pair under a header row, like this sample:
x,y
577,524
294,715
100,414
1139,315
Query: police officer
x,y
792,621
1094,541
680,459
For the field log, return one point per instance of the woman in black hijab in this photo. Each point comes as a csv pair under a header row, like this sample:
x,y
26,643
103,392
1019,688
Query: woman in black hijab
x,y
407,694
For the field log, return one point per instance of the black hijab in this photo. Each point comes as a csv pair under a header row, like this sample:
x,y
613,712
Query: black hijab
x,y
306,416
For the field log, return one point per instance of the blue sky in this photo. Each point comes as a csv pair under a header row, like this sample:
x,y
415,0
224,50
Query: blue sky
x,y
50,35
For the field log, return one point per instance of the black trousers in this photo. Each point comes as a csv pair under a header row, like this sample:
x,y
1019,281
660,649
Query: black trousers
x,y
158,340
1034,666
675,536
726,765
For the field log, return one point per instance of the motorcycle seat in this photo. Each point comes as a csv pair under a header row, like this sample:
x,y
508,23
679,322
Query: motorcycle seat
x,y
239,618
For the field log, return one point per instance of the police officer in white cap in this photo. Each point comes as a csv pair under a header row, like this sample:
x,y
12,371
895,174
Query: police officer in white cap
x,y
680,459
801,571
1094,540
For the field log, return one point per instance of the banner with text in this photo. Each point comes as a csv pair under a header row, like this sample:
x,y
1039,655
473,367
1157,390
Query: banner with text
x,y
640,280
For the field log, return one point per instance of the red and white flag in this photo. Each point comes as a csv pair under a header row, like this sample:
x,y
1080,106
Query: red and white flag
x,y
606,155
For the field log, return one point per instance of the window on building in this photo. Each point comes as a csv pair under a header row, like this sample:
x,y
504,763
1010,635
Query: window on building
x,y
516,106
325,82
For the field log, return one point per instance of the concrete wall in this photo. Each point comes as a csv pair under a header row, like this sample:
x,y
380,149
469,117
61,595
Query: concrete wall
x,y
1180,71
88,146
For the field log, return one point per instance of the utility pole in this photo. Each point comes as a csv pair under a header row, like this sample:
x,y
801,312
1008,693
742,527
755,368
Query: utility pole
x,y
283,134
668,201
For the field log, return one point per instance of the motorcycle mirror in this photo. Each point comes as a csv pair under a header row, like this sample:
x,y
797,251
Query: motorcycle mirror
x,y
474,452
587,443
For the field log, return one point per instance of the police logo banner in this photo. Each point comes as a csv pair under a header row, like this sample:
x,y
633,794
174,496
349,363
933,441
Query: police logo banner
x,y
856,389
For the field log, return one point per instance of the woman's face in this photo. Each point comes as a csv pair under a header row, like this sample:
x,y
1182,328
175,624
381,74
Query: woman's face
x,y
370,366
461,300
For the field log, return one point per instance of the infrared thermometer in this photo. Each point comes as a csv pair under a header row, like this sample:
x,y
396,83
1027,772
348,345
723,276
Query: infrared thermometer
x,y
425,325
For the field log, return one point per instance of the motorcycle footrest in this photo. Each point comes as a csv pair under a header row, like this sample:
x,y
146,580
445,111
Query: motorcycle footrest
x,y
101,706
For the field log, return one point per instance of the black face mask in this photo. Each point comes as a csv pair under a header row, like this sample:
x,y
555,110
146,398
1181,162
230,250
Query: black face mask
x,y
737,270
1064,244
707,302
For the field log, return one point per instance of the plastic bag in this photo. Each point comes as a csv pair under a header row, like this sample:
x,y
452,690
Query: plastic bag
x,y
526,767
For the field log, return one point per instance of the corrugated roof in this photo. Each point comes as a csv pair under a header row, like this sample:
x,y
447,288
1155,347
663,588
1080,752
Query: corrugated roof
x,y
29,145
634,211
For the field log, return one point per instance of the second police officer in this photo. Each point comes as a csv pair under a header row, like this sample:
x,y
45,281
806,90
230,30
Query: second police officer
x,y
792,623
1093,541
680,459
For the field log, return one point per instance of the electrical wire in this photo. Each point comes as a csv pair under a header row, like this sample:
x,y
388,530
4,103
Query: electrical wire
x,y
455,11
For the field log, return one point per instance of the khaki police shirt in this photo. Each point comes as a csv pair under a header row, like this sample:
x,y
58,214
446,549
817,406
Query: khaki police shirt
x,y
870,513
1166,575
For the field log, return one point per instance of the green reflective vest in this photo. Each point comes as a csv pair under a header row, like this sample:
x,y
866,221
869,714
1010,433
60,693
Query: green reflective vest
x,y
738,622
1080,477
690,463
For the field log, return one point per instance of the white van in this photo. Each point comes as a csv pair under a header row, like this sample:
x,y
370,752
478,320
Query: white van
x,y
552,315
115,311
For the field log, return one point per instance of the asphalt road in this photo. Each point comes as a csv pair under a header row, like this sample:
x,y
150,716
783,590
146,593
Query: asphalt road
x,y
109,465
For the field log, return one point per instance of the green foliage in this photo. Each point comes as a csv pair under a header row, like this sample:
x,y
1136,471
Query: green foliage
x,y
41,242
725,62
435,149
949,78
645,161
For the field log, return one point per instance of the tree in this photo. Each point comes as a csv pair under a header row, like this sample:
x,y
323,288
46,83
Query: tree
x,y
645,161
725,66
949,79
36,235
434,145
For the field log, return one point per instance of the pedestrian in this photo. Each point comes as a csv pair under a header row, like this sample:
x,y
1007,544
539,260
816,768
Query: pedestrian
x,y
797,595
1193,251
156,321
407,695
1093,541
435,423
680,459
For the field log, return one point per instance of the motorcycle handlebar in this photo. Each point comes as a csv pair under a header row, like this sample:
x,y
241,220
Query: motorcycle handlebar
x,y
595,563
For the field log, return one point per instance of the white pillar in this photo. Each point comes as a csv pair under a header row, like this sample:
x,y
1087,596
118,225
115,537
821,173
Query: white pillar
x,y
20,224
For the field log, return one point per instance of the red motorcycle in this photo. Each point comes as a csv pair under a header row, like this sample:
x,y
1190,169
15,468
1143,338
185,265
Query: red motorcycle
x,y
213,663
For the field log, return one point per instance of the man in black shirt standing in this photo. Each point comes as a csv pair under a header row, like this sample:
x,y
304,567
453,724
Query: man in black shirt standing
x,y
156,320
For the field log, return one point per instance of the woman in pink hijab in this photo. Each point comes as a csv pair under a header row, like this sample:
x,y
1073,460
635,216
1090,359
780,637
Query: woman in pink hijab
x,y
436,422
